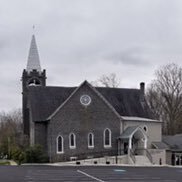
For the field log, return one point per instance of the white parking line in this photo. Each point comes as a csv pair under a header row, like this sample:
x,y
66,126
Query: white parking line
x,y
97,179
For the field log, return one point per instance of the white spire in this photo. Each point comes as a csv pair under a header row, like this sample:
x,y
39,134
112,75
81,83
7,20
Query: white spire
x,y
33,57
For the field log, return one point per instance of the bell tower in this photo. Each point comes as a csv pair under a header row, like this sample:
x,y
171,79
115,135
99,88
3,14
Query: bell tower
x,y
32,76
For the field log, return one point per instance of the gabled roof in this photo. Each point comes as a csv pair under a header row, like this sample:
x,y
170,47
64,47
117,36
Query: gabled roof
x,y
174,142
33,62
127,102
46,101
160,145
93,89
128,132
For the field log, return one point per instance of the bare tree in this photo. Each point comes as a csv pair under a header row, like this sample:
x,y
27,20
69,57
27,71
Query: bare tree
x,y
11,131
165,97
110,80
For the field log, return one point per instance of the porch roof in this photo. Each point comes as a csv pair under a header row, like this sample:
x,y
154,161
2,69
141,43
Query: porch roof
x,y
174,142
160,145
128,132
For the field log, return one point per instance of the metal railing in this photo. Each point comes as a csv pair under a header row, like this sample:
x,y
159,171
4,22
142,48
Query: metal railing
x,y
132,155
148,155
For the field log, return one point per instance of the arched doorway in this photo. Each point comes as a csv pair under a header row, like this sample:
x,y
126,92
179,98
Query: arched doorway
x,y
133,138
138,140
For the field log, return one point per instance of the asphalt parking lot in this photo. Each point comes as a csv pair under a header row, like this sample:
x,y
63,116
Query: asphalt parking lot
x,y
89,173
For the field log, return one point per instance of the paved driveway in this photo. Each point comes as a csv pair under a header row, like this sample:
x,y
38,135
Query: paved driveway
x,y
86,173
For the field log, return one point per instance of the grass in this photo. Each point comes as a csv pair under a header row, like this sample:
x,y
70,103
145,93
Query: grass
x,y
3,163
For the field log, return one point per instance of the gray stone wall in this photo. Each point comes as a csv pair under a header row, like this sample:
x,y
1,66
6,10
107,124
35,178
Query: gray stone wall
x,y
81,120
168,157
41,134
26,77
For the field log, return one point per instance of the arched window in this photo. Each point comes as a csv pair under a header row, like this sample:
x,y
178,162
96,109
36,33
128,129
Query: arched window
x,y
60,144
72,141
90,140
34,82
107,137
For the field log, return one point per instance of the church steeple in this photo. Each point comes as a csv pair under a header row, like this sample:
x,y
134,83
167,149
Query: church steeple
x,y
32,76
33,57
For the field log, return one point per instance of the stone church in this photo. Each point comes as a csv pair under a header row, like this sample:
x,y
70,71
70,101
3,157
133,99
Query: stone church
x,y
84,121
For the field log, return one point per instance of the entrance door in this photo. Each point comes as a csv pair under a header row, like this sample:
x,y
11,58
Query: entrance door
x,y
125,147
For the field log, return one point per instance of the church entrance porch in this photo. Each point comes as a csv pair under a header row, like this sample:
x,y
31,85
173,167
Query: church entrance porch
x,y
133,144
133,139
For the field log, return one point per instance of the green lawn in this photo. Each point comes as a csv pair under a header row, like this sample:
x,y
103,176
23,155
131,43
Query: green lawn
x,y
4,163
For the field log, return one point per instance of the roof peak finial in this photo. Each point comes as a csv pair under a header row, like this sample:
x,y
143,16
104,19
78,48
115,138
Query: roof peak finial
x,y
33,29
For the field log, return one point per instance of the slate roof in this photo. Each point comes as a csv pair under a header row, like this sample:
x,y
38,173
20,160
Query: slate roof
x,y
33,57
128,131
45,100
160,145
127,102
174,142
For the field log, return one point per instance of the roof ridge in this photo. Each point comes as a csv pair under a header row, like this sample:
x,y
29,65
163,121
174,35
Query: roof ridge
x,y
59,87
118,88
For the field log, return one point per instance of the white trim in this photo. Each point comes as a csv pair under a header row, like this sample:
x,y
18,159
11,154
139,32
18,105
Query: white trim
x,y
82,101
74,141
107,146
133,118
90,146
60,152
144,135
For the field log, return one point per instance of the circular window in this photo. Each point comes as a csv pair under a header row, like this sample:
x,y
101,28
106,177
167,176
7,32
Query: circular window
x,y
85,100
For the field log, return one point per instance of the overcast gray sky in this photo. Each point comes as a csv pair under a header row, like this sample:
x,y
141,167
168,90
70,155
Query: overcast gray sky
x,y
83,39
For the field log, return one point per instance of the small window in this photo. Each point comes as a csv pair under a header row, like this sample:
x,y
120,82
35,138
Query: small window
x,y
145,129
72,141
73,158
107,138
90,140
60,144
